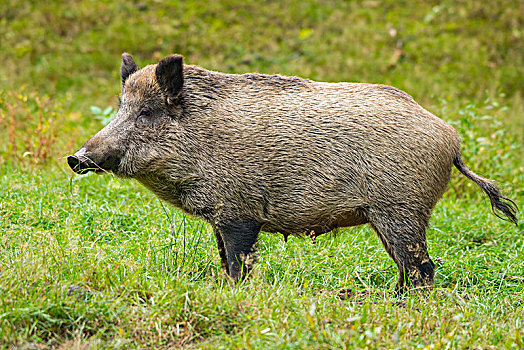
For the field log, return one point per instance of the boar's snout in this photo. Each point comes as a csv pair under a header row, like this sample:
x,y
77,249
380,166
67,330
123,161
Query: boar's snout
x,y
83,162
80,163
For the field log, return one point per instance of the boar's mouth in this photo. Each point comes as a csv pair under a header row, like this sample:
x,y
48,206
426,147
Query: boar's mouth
x,y
82,163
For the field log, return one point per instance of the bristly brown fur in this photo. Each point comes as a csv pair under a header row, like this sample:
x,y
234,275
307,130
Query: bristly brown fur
x,y
281,154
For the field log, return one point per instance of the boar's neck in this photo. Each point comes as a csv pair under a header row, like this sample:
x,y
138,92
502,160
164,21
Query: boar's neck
x,y
180,192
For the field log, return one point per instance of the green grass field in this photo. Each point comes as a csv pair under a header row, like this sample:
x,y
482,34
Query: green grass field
x,y
92,262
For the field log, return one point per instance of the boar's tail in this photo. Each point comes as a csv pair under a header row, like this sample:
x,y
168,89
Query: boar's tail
x,y
502,207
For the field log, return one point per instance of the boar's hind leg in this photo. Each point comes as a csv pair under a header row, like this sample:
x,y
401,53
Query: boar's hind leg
x,y
403,234
239,240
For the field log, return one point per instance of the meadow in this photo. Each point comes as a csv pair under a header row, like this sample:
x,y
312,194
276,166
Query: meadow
x,y
92,262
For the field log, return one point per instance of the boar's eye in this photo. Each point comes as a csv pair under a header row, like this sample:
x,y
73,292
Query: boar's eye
x,y
144,117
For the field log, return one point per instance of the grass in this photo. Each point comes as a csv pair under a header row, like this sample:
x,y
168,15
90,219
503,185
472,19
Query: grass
x,y
95,262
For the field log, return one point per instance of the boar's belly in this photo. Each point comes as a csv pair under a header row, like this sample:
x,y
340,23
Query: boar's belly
x,y
317,226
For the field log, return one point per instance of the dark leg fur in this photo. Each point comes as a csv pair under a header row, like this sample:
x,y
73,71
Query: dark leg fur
x,y
222,252
239,240
403,234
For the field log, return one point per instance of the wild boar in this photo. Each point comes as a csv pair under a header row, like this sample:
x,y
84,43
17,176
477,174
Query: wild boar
x,y
253,152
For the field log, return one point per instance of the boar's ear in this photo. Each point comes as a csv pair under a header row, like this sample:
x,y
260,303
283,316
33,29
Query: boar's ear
x,y
128,67
170,76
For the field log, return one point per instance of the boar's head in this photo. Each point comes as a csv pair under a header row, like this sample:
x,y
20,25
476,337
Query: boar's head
x,y
141,134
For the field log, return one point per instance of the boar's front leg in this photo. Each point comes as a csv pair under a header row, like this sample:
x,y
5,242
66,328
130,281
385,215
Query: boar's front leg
x,y
238,238
222,251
